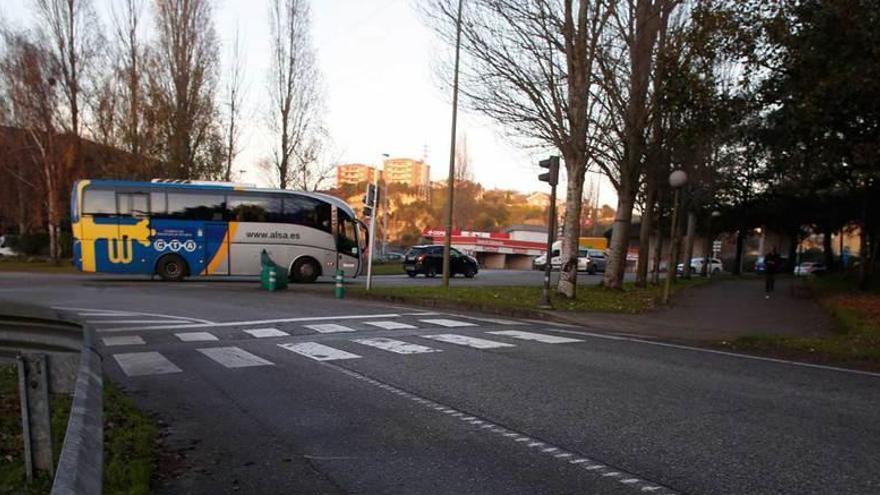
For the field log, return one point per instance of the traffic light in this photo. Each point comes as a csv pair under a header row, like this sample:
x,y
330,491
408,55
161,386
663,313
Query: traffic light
x,y
551,176
370,200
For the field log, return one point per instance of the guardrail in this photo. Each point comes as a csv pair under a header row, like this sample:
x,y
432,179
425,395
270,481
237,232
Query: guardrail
x,y
56,356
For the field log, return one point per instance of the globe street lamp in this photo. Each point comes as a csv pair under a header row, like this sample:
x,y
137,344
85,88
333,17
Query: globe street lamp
x,y
677,180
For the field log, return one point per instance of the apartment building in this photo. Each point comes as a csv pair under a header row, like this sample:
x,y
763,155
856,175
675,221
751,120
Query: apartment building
x,y
414,173
354,173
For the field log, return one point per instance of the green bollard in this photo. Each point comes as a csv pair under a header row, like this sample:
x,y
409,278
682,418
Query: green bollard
x,y
340,289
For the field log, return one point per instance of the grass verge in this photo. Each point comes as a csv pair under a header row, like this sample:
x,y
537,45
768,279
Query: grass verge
x,y
386,269
524,300
856,341
38,266
129,441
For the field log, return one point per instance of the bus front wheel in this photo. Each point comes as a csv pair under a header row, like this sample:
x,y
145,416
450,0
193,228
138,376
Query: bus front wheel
x,y
305,270
171,268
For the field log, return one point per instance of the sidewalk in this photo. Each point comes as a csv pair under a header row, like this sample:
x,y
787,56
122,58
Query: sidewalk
x,y
723,310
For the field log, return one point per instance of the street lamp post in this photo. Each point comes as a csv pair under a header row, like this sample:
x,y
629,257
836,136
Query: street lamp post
x,y
677,179
447,241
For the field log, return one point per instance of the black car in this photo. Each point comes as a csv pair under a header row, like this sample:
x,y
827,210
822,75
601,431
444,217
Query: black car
x,y
429,261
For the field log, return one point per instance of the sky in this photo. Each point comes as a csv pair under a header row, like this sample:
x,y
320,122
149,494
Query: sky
x,y
382,95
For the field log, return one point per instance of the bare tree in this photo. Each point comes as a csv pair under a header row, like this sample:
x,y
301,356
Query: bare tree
x,y
295,93
130,52
626,63
71,32
30,77
183,79
232,100
530,67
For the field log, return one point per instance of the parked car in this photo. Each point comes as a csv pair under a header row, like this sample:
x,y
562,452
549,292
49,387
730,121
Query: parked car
x,y
390,257
591,261
783,265
428,260
715,266
5,246
555,261
808,268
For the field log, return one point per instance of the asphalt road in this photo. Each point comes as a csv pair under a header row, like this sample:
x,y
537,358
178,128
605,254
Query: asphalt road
x,y
295,392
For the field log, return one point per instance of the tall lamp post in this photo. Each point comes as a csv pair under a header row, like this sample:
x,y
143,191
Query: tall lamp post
x,y
677,179
447,242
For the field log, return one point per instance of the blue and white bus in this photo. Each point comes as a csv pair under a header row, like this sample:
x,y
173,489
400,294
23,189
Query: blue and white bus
x,y
176,229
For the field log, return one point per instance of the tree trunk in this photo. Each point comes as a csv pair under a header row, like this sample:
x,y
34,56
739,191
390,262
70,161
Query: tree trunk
x,y
689,243
658,256
645,235
571,229
864,271
827,249
740,240
616,266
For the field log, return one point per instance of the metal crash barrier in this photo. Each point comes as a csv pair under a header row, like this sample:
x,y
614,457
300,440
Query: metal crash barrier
x,y
54,356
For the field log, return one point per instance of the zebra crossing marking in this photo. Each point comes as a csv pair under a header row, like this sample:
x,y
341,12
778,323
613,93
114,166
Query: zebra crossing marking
x,y
330,328
396,346
123,340
452,338
537,337
444,322
234,357
262,333
318,352
196,336
390,325
145,363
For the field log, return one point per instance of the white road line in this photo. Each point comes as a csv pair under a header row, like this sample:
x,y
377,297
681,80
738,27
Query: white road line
x,y
330,328
120,322
262,333
262,322
497,321
721,353
390,325
561,454
107,314
451,338
138,313
537,337
318,352
234,357
196,336
123,340
443,322
396,346
145,363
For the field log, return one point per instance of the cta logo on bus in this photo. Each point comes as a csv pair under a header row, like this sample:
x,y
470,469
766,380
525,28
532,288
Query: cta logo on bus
x,y
175,245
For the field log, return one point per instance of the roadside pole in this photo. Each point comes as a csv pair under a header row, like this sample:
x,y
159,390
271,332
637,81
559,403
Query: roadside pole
x,y
373,203
551,177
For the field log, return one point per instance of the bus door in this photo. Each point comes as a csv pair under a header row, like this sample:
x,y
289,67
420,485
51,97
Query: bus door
x,y
347,244
215,240
130,251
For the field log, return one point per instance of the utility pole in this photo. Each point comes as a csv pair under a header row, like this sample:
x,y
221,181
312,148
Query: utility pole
x,y
447,242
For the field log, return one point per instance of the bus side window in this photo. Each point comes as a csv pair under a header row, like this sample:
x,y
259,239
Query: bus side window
x,y
254,208
187,206
99,202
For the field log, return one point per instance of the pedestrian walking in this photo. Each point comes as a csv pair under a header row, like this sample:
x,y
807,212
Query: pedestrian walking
x,y
771,266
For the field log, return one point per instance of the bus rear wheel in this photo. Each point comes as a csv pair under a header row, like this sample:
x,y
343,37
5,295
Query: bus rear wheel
x,y
171,268
305,270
